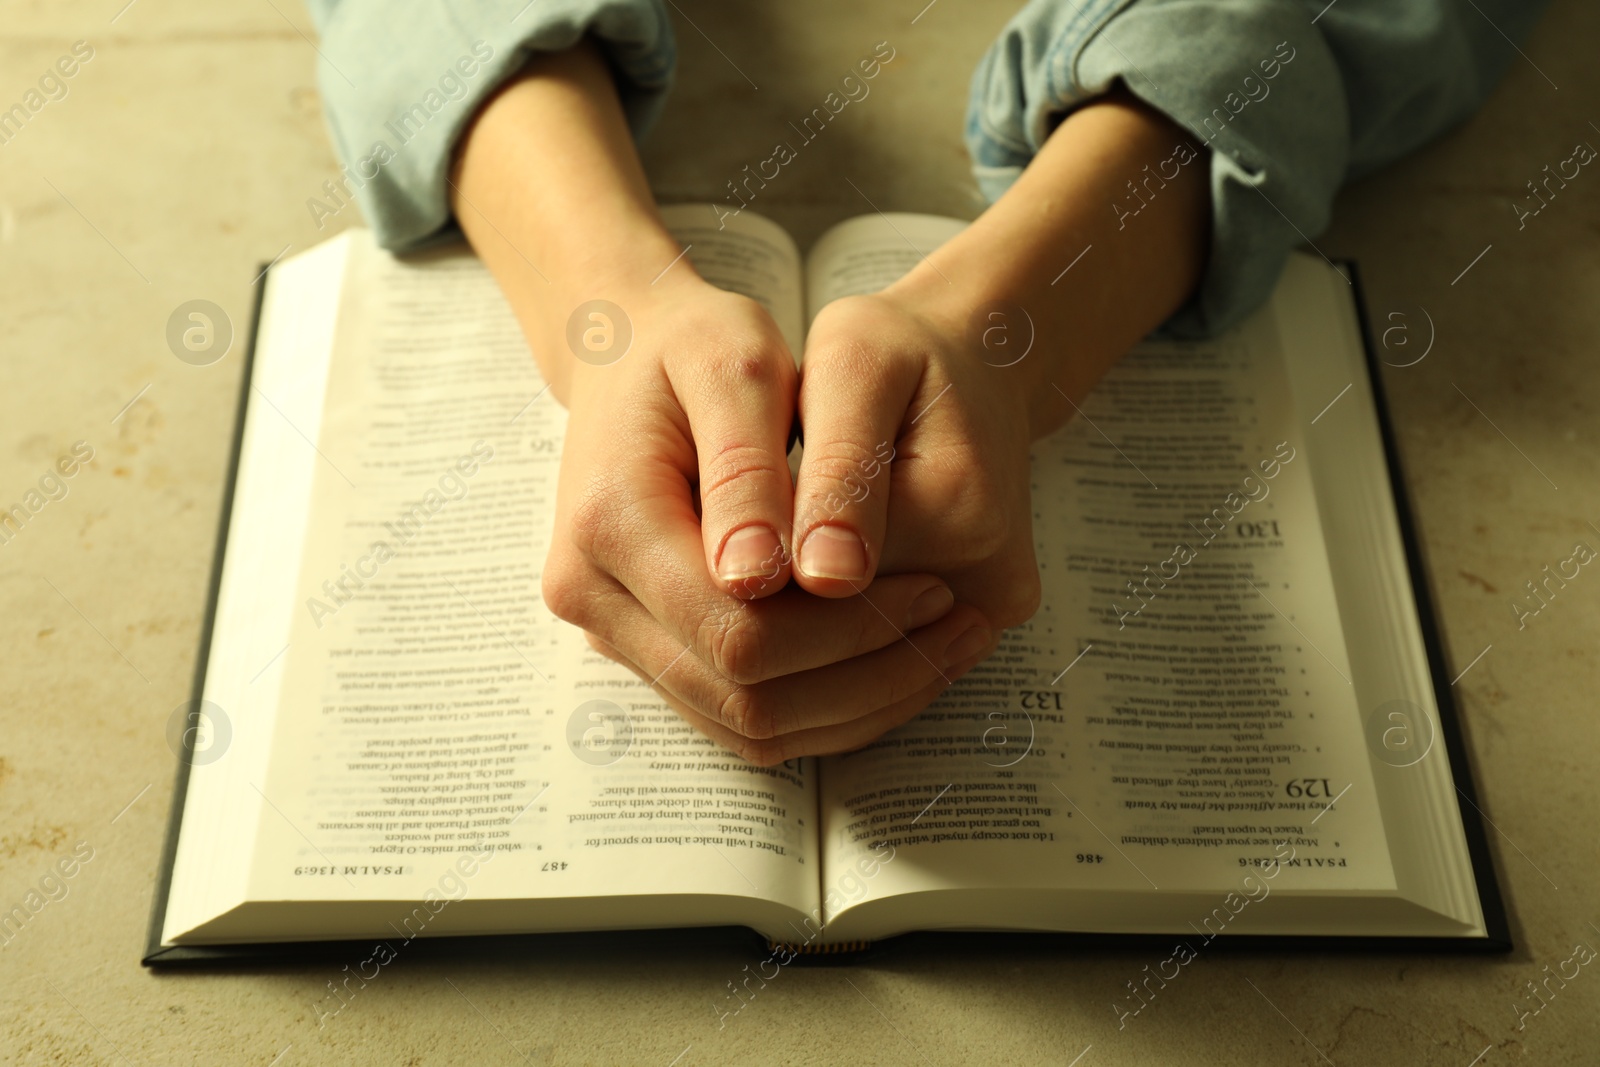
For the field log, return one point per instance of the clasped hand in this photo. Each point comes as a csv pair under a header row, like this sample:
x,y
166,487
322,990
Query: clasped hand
x,y
788,617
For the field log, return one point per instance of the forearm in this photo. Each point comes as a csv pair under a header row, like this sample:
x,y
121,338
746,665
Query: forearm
x,y
1133,256
549,191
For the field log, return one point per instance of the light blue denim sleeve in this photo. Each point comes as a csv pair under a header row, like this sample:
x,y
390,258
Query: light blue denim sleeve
x,y
1292,98
400,81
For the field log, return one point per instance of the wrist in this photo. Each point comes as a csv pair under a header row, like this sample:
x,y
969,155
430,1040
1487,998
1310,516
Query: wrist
x,y
549,190
601,255
1057,259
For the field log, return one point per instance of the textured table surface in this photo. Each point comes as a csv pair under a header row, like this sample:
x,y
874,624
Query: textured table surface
x,y
182,157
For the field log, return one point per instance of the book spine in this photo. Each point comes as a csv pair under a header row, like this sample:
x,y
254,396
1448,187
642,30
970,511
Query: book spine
x,y
812,949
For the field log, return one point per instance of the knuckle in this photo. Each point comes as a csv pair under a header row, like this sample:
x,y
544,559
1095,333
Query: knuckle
x,y
978,503
565,590
837,352
732,643
978,521
970,541
988,537
1021,601
869,630
605,649
742,348
739,471
839,473
596,519
755,363
745,713
763,752
842,459
843,321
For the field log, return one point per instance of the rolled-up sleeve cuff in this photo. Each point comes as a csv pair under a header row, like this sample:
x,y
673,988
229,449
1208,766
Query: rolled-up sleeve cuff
x,y
401,84
1251,81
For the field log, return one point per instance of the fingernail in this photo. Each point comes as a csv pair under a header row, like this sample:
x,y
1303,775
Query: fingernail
x,y
930,606
833,552
966,646
747,552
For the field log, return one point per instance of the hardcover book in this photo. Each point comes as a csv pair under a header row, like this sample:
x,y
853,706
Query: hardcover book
x,y
1230,718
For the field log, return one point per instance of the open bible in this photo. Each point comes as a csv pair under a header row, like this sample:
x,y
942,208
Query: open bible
x,y
1229,717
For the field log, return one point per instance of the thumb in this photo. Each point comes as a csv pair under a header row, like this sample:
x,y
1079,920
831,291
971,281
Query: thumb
x,y
739,410
841,500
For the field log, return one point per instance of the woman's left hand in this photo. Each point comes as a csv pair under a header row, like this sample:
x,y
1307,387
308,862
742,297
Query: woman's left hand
x,y
916,455
931,368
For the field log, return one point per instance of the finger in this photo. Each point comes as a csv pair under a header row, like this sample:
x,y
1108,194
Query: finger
x,y
744,640
739,410
818,741
852,407
982,542
825,696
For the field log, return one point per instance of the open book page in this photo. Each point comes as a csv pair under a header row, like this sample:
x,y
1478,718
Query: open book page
x,y
865,254
432,706
250,627
1180,710
747,254
1378,593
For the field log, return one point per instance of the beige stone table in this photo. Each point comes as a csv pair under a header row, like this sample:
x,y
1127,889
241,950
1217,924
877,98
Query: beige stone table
x,y
182,156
